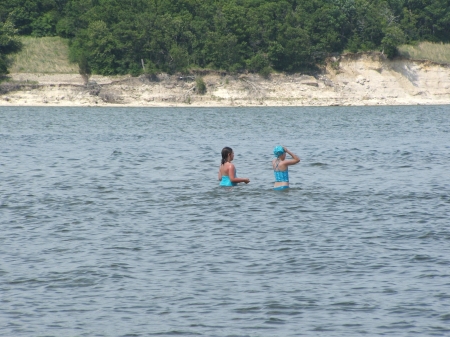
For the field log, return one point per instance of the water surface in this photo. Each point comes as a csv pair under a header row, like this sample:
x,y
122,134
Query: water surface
x,y
113,224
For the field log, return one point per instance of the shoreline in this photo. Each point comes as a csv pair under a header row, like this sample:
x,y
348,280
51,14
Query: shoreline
x,y
362,80
187,106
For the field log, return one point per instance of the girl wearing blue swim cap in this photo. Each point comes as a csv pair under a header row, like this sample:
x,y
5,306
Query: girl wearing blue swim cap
x,y
280,167
227,170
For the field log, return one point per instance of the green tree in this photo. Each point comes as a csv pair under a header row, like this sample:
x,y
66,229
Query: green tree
x,y
393,37
45,25
223,51
98,45
9,43
174,35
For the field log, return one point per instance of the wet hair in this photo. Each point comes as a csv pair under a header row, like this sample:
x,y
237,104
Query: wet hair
x,y
225,152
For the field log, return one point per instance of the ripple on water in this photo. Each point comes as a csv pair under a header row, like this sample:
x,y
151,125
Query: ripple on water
x,y
113,223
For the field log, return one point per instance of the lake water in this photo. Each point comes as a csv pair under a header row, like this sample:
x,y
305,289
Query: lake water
x,y
113,223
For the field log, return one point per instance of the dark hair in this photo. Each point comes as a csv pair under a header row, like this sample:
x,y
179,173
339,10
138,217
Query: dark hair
x,y
225,152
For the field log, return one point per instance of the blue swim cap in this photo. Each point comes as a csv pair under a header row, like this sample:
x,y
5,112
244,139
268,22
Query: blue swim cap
x,y
278,151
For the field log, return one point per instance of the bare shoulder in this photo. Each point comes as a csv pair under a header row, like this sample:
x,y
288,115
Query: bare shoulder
x,y
283,165
227,166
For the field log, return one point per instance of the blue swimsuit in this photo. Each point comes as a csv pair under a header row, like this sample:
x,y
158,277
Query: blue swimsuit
x,y
281,176
226,180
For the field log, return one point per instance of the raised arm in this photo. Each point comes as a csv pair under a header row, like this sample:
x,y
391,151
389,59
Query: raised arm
x,y
295,159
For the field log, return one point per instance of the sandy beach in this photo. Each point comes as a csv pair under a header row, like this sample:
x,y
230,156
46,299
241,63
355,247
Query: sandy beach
x,y
365,79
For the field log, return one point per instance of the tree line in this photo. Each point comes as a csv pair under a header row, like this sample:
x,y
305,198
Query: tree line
x,y
134,36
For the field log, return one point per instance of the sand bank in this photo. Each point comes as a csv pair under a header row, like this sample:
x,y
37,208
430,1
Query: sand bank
x,y
366,79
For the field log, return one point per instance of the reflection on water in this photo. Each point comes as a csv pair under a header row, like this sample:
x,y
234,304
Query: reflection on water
x,y
113,223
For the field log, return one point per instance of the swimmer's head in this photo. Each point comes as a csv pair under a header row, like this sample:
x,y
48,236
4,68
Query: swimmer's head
x,y
227,152
278,151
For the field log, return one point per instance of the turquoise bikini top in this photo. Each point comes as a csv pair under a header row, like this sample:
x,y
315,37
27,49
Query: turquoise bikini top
x,y
226,180
281,176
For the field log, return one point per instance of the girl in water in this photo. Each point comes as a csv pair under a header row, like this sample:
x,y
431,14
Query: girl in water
x,y
227,171
280,167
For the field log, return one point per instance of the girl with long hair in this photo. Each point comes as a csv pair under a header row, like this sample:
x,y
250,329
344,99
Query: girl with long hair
x,y
227,170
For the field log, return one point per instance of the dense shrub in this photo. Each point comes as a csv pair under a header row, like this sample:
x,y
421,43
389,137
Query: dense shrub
x,y
200,85
254,35
9,43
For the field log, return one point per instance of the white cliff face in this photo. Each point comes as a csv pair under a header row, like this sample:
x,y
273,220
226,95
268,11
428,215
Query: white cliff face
x,y
397,81
352,79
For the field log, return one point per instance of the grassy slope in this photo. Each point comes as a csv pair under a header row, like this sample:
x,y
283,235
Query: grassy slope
x,y
47,55
435,52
